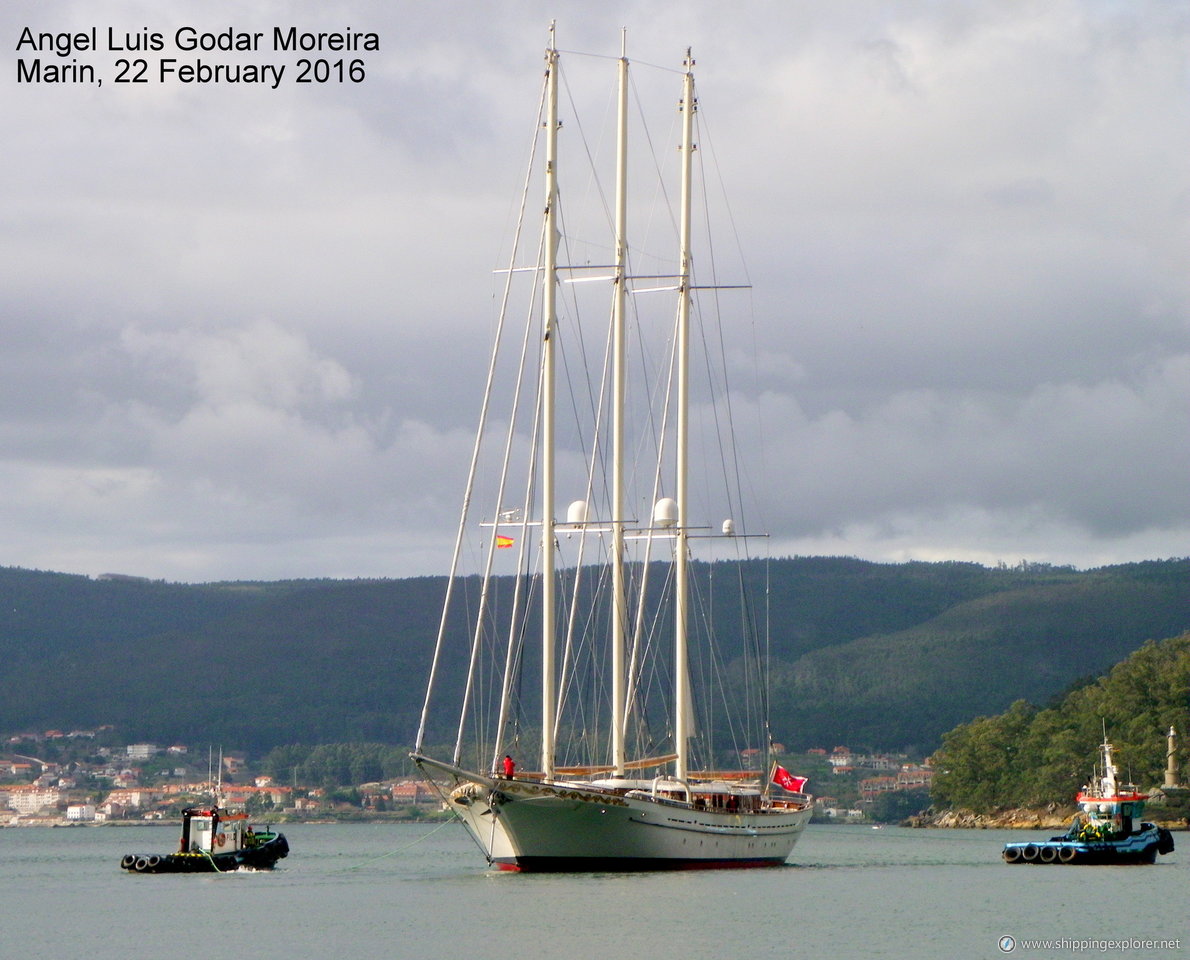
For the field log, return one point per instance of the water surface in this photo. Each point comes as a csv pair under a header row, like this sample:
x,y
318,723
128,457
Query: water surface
x,y
411,890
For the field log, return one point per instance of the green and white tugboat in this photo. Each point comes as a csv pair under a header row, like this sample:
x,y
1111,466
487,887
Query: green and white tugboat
x,y
214,840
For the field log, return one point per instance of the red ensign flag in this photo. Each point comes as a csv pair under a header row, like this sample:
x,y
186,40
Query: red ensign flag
x,y
783,778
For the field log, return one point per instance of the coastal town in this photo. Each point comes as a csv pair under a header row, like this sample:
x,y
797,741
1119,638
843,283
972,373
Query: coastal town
x,y
87,776
146,781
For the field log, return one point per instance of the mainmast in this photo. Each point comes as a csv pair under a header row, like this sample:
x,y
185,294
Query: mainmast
x,y
619,587
549,282
682,707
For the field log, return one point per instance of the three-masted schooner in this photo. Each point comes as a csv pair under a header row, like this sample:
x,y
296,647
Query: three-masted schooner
x,y
619,810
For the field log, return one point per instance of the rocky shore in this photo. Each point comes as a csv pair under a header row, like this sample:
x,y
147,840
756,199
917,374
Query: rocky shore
x,y
1052,817
1046,818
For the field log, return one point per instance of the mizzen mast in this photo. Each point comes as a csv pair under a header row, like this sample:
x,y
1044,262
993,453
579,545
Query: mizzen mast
x,y
619,586
549,280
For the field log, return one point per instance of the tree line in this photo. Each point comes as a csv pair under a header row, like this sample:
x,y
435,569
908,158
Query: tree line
x,y
875,656
1029,756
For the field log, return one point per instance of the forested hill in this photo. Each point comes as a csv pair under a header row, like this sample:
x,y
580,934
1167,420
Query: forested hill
x,y
864,654
1029,757
1007,635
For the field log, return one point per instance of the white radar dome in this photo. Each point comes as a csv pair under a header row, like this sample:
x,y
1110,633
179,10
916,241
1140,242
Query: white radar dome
x,y
665,514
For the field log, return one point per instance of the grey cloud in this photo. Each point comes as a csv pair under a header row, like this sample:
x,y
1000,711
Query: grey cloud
x,y
245,330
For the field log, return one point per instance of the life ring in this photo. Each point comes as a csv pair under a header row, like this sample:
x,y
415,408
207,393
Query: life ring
x,y
1067,854
220,839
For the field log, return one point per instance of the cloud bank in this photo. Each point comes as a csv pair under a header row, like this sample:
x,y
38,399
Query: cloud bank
x,y
246,329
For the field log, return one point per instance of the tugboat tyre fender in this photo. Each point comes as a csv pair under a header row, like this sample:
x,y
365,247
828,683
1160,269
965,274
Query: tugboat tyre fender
x,y
1067,854
141,864
1012,854
1048,854
1030,852
1164,840
154,861
128,861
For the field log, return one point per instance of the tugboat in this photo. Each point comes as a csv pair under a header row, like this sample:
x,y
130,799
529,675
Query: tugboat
x,y
1107,828
214,840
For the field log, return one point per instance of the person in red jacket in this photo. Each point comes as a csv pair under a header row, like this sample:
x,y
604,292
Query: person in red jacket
x,y
509,766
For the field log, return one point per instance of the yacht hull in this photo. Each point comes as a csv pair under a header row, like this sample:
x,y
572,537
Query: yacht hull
x,y
530,826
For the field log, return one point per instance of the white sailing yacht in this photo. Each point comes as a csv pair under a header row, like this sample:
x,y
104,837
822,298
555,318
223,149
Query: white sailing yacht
x,y
604,796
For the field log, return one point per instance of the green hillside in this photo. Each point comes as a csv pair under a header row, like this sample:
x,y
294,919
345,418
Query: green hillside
x,y
1030,640
1028,756
872,655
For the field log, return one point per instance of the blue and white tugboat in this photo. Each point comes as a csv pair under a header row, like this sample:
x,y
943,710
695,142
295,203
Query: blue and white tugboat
x,y
1107,828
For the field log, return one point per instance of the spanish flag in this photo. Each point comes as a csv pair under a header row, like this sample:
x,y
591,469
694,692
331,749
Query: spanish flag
x,y
502,542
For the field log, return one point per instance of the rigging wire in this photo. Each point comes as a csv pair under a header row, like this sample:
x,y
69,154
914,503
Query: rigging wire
x,y
488,386
645,674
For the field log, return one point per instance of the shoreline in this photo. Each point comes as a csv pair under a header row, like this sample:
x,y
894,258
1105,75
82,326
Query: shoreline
x,y
61,823
1048,818
1053,817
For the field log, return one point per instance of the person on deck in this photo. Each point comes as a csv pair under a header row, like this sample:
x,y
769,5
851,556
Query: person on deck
x,y
509,766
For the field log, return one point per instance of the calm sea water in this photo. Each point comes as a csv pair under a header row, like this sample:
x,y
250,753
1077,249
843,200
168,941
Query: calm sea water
x,y
378,890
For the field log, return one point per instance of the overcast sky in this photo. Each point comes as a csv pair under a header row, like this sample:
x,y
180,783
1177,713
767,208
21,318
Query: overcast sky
x,y
245,328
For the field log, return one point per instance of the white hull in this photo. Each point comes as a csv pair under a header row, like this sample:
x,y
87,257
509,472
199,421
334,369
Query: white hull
x,y
525,825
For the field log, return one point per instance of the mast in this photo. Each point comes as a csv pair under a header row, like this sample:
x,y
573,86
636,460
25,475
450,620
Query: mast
x,y
682,706
619,588
549,307
1108,782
